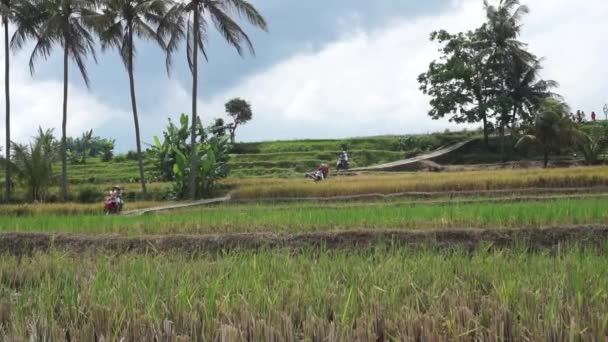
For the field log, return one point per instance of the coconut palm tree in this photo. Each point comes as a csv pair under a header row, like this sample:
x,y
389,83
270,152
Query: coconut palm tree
x,y
500,48
190,19
526,89
119,23
23,15
66,23
552,129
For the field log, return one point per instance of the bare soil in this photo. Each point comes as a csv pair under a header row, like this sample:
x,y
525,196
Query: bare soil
x,y
27,243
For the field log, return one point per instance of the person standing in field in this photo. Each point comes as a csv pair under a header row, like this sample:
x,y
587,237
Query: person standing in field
x,y
593,116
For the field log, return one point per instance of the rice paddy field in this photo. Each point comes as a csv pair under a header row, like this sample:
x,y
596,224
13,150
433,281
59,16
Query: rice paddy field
x,y
509,255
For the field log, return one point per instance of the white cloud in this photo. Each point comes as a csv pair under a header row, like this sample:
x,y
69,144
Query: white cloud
x,y
40,102
365,83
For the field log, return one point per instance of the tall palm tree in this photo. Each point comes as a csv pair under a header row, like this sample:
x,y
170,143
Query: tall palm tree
x,y
527,89
119,22
21,13
190,19
501,48
66,23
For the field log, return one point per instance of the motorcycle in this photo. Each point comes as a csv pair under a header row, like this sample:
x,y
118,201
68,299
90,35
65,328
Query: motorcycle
x,y
113,205
342,165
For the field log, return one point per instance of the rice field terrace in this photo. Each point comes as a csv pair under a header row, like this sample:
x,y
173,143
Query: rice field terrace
x,y
508,255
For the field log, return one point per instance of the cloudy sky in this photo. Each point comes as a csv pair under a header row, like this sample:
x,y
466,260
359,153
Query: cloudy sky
x,y
334,68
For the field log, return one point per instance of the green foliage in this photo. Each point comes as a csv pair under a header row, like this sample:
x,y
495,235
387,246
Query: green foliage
x,y
552,129
419,142
106,151
89,194
132,155
173,156
33,164
592,141
240,111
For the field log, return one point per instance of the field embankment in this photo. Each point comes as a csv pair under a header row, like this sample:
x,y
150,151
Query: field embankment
x,y
24,243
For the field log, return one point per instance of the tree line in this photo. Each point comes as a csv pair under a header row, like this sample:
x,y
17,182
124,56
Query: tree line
x,y
75,26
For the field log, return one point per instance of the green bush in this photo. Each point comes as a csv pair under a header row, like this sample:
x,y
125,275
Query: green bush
x,y
89,195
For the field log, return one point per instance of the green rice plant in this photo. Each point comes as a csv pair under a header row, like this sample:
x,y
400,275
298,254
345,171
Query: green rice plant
x,y
382,294
314,217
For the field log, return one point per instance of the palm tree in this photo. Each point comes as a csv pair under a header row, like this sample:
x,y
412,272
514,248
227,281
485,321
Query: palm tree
x,y
190,19
552,129
22,14
65,23
120,21
526,89
501,49
33,163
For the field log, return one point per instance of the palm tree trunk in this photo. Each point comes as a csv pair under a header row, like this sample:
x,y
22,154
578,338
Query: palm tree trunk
x,y
514,120
193,154
485,132
135,118
64,166
502,142
7,170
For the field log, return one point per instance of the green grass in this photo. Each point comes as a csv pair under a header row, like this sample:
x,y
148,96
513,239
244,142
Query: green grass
x,y
296,218
335,296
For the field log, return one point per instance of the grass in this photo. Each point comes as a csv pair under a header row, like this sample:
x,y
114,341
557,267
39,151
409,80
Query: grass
x,y
384,294
394,183
312,217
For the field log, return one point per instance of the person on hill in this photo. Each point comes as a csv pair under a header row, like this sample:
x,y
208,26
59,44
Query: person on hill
x,y
579,117
342,163
593,116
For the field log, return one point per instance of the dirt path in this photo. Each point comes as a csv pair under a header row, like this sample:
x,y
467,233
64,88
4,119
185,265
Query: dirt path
x,y
401,165
177,206
23,243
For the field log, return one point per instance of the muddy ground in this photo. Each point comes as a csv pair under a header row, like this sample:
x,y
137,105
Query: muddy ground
x,y
26,243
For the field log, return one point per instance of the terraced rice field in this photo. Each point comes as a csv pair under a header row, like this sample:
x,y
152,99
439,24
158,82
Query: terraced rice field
x,y
457,262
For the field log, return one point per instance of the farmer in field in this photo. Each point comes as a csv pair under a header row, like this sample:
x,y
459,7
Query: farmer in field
x,y
320,173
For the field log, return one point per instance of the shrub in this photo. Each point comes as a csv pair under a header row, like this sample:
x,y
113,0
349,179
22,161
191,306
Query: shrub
x,y
132,155
120,158
89,195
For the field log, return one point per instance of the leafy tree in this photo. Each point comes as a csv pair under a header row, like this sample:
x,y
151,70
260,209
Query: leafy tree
x,y
190,20
24,15
240,111
219,127
457,83
552,129
65,23
33,164
119,22
107,149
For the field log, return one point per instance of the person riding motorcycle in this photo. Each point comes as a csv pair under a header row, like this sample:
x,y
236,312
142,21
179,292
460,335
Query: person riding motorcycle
x,y
114,201
342,163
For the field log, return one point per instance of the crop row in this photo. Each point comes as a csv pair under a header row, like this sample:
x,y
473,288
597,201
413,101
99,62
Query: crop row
x,y
295,218
383,294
